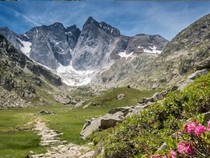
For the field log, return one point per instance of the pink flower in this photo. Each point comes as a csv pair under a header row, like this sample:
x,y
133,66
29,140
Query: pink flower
x,y
200,129
185,148
209,124
190,127
172,154
189,149
181,147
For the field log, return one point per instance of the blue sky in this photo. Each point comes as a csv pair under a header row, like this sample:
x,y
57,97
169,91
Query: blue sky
x,y
131,17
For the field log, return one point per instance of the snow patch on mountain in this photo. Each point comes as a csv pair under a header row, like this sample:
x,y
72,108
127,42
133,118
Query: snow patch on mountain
x,y
26,47
152,49
73,77
124,55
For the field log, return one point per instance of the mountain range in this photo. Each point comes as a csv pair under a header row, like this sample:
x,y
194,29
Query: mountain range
x,y
100,55
79,56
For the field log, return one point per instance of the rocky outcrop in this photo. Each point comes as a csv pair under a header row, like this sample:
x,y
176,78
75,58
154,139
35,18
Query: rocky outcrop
x,y
205,64
191,78
11,100
22,78
65,99
101,123
109,120
120,96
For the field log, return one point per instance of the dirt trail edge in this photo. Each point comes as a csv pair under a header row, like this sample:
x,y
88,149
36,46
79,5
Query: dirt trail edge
x,y
56,147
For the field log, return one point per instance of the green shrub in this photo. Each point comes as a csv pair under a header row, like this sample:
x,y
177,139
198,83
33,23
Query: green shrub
x,y
142,134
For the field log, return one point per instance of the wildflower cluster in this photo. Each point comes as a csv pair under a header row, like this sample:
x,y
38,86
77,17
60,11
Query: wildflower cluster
x,y
193,142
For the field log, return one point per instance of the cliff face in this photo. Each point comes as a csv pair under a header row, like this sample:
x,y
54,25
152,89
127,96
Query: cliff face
x,y
79,57
20,77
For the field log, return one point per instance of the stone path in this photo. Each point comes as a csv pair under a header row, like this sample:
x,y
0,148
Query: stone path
x,y
58,148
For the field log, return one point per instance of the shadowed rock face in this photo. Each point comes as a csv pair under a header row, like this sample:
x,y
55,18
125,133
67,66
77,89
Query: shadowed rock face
x,y
94,46
52,45
21,76
49,45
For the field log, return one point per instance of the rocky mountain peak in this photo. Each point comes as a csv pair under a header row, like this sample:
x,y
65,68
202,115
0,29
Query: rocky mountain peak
x,y
109,29
94,48
90,23
73,27
58,25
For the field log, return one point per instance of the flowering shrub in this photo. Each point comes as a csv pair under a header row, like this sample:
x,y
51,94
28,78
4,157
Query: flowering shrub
x,y
193,142
143,134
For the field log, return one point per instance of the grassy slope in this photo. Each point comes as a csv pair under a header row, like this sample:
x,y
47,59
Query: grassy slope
x,y
17,144
143,134
109,99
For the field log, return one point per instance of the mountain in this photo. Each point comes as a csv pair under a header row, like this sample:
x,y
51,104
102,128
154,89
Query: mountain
x,y
80,57
154,129
49,45
177,60
187,49
94,46
22,81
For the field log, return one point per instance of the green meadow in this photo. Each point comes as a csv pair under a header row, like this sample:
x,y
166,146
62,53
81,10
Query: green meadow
x,y
17,138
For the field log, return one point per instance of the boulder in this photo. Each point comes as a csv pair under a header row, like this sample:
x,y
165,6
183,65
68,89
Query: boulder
x,y
63,99
101,123
198,74
205,64
136,109
45,112
159,95
191,78
124,110
109,120
146,100
120,96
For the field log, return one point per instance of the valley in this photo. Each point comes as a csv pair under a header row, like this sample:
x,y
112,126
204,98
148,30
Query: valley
x,y
17,124
90,91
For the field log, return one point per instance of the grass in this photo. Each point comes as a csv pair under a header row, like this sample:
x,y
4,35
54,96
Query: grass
x,y
109,99
17,143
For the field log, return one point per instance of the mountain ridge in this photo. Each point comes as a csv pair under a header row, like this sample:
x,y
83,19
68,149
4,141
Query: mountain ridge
x,y
93,49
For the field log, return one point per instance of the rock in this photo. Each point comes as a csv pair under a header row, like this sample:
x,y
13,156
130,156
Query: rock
x,y
157,96
162,147
111,120
124,110
120,96
205,64
28,156
88,154
137,109
104,122
146,100
174,88
192,77
63,99
206,117
45,112
198,74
